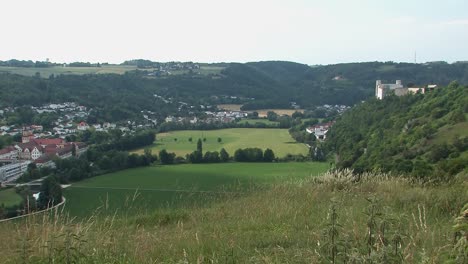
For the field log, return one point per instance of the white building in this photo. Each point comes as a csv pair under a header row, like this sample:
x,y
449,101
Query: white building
x,y
384,89
13,171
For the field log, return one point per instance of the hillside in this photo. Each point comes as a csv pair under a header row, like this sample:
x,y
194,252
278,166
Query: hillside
x,y
425,135
271,84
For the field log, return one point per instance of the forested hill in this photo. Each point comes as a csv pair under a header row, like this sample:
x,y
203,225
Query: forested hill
x,y
425,135
271,84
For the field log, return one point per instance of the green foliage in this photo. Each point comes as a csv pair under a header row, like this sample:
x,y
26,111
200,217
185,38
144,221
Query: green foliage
x,y
273,84
50,193
166,157
249,155
268,155
406,134
224,156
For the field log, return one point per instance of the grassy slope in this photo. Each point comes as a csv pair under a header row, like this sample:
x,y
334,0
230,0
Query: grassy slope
x,y
156,187
278,140
9,197
285,224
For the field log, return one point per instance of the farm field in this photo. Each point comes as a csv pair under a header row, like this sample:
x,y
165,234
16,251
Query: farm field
x,y
174,186
57,70
104,69
230,107
278,140
259,120
9,197
289,112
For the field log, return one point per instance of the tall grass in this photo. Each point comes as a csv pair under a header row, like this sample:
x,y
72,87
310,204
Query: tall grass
x,y
337,217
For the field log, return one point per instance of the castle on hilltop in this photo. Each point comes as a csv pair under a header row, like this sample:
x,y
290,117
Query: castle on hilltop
x,y
384,89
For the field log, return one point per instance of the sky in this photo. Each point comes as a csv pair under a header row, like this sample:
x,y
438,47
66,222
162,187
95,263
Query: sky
x,y
305,31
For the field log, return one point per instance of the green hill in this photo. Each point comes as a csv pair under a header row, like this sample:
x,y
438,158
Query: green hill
x,y
257,85
425,135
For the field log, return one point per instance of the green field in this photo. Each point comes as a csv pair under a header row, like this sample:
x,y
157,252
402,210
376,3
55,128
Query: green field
x,y
278,140
117,69
154,187
261,120
57,70
9,197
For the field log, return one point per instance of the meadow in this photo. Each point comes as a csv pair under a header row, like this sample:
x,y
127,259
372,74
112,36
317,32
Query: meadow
x,y
279,140
150,188
258,120
9,197
57,70
104,69
332,218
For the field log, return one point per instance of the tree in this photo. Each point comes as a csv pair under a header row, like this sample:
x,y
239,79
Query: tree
x,y
239,155
200,145
166,157
268,155
224,156
272,116
219,140
190,139
50,193
211,157
150,158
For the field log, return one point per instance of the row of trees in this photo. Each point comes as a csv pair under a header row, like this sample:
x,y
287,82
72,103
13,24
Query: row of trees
x,y
198,156
254,155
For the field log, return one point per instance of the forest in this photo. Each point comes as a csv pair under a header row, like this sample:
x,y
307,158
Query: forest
x,y
257,85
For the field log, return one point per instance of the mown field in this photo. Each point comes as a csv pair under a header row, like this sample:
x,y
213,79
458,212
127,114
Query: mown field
x,y
232,139
259,120
9,197
148,188
289,112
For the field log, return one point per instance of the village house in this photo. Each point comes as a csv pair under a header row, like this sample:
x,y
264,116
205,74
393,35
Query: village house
x,y
82,126
40,151
320,130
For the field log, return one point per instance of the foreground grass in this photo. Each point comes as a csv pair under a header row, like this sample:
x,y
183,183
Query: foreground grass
x,y
279,140
185,185
289,223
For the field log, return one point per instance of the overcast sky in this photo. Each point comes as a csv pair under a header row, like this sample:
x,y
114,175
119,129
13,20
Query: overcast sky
x,y
305,31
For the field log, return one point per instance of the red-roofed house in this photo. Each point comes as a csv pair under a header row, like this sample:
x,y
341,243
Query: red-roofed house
x,y
82,126
320,130
8,153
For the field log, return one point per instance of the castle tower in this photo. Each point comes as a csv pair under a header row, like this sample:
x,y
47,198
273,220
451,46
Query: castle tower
x,y
27,135
377,84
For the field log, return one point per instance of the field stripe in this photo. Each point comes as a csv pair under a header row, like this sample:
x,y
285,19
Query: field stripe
x,y
151,189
